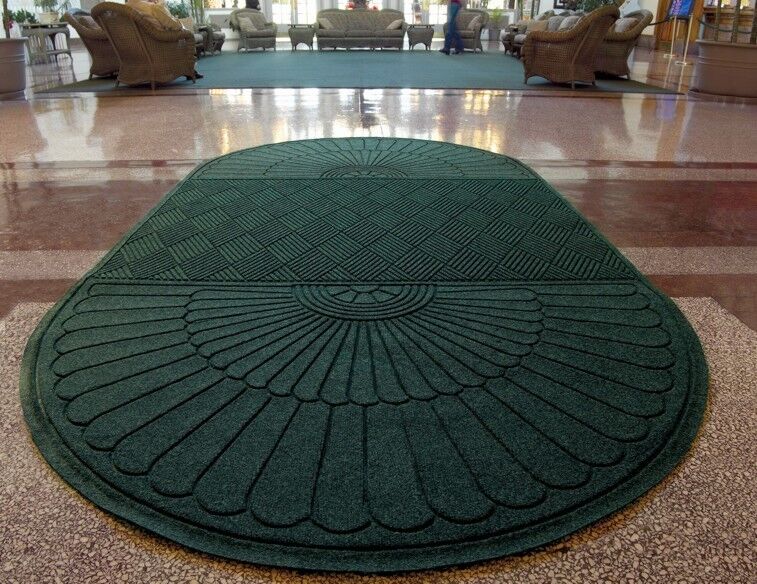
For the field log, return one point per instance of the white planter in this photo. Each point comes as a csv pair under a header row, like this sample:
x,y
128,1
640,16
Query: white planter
x,y
48,17
12,68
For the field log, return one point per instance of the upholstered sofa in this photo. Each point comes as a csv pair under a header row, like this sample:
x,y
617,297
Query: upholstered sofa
x,y
470,28
255,32
612,57
369,29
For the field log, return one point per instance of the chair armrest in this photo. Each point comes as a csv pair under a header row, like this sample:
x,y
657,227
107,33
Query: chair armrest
x,y
167,36
546,36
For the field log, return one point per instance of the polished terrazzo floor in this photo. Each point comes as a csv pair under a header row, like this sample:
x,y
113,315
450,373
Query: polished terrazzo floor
x,y
670,180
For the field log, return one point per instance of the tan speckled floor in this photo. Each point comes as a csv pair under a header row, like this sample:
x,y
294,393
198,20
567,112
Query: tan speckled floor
x,y
697,526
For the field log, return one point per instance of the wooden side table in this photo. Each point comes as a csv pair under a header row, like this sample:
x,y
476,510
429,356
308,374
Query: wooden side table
x,y
420,34
301,33
45,43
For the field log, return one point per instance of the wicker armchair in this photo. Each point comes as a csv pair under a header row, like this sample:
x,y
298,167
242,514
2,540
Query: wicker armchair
x,y
264,37
612,57
568,56
104,59
146,52
471,36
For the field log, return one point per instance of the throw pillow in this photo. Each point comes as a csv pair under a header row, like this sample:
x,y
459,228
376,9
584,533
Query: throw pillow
x,y
474,23
554,23
522,26
164,17
325,23
395,24
246,24
625,24
534,25
569,22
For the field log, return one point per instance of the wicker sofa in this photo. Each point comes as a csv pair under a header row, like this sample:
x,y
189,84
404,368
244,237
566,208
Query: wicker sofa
x,y
470,29
612,57
104,58
568,56
146,52
262,36
348,29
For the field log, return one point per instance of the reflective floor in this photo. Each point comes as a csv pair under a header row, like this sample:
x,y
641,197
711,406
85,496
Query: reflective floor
x,y
667,178
670,180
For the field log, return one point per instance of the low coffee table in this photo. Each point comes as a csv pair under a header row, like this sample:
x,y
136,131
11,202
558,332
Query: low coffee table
x,y
301,33
420,34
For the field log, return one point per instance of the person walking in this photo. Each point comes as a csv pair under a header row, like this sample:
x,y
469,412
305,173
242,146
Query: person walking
x,y
453,35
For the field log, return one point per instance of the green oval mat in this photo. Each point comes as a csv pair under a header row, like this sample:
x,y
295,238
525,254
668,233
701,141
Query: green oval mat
x,y
363,354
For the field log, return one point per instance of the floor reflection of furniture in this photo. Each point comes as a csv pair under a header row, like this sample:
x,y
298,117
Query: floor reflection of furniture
x,y
301,33
420,34
46,41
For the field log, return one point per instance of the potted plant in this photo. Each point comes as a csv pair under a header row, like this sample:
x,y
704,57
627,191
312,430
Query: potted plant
x,y
495,23
723,66
48,11
12,62
178,9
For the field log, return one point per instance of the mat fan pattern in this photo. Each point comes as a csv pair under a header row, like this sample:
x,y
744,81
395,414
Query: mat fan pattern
x,y
363,355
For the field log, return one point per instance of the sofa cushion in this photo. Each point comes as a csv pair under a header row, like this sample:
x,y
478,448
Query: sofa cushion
x,y
395,24
569,22
554,23
246,24
474,23
390,34
330,33
625,24
164,17
156,14
519,39
325,24
534,25
360,33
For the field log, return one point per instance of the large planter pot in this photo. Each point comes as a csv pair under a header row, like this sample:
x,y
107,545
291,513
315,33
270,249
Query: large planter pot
x,y
48,17
12,68
725,70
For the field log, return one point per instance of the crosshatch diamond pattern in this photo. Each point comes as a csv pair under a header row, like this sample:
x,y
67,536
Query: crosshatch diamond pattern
x,y
375,230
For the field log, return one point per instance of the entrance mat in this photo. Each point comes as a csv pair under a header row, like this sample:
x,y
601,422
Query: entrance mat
x,y
366,69
363,354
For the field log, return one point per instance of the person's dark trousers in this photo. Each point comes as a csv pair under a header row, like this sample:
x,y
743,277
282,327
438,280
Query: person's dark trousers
x,y
452,38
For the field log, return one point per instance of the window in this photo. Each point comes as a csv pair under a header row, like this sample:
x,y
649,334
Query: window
x,y
284,12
